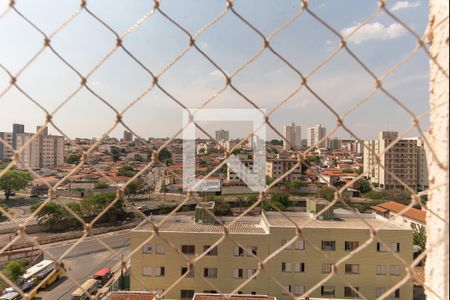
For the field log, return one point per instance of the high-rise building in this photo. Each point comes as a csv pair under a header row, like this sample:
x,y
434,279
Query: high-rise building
x,y
6,152
222,135
406,160
17,128
127,136
335,143
299,267
316,133
43,151
293,135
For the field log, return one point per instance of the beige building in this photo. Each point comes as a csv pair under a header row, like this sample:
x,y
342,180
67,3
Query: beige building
x,y
42,152
155,265
6,153
293,135
314,134
406,160
278,167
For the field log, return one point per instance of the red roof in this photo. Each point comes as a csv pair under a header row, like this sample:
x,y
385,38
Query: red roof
x,y
122,295
412,213
233,297
378,208
103,272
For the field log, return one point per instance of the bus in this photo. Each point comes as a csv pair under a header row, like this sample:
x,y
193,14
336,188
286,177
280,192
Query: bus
x,y
39,270
90,286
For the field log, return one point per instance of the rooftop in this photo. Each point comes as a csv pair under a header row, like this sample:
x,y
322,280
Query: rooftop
x,y
412,213
232,297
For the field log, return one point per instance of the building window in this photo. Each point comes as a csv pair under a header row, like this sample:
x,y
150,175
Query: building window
x,y
326,268
250,273
160,271
210,291
395,294
146,271
381,247
188,249
285,267
381,270
351,292
379,291
210,272
300,245
395,270
187,294
300,267
299,290
396,247
351,245
160,249
328,290
351,269
285,290
238,273
289,247
147,249
212,252
252,250
238,251
190,273
328,246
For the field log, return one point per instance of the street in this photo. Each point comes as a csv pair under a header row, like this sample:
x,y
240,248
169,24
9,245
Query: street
x,y
83,261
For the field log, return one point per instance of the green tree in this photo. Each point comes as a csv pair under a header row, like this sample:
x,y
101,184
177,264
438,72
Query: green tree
x,y
134,188
14,269
165,156
126,171
294,184
14,180
347,171
420,237
326,193
115,154
51,214
222,208
279,199
364,186
74,158
93,205
101,185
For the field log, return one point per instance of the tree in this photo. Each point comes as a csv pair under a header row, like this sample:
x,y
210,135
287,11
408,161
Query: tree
x,y
101,185
14,180
364,186
93,205
134,188
279,200
14,269
347,171
326,193
294,184
74,158
115,154
51,214
126,171
222,208
420,237
165,156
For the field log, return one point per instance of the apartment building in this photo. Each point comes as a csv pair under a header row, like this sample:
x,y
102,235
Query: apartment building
x,y
42,152
6,153
156,265
406,159
316,133
293,136
278,167
222,135
127,136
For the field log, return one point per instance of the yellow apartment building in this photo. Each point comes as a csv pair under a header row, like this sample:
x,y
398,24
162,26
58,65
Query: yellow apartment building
x,y
155,266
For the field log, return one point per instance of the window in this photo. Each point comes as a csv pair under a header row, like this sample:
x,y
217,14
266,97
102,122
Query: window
x,y
351,245
285,290
146,271
210,291
250,273
380,247
299,290
395,294
299,267
238,251
187,294
252,250
381,270
184,270
300,245
328,246
160,249
395,247
147,249
328,290
160,271
380,291
351,269
326,268
284,242
212,252
351,292
238,273
285,267
188,249
395,270
210,272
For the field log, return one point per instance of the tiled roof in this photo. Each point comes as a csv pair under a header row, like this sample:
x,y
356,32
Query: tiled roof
x,y
412,213
234,297
130,296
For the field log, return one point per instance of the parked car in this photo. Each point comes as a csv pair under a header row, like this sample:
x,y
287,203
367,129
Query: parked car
x,y
103,275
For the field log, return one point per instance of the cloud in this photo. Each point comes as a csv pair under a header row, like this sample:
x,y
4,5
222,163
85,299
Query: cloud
x,y
404,5
373,31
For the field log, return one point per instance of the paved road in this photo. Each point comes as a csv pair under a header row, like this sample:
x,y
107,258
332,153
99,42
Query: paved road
x,y
83,261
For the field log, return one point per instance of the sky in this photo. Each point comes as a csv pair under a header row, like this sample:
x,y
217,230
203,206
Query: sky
x,y
342,82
